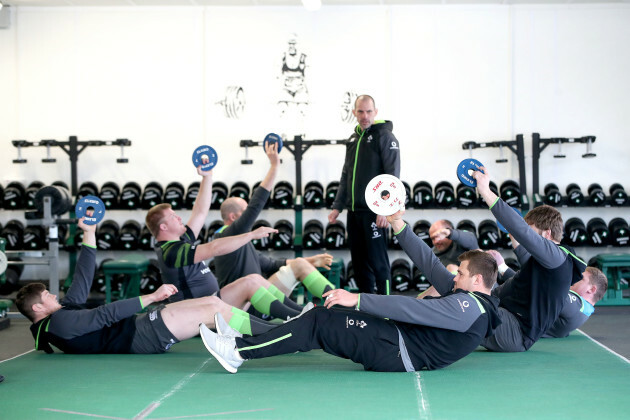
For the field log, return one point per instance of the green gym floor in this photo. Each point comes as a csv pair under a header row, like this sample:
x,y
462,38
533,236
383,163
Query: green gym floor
x,y
569,378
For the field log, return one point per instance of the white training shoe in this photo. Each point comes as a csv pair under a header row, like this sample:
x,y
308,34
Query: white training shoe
x,y
305,309
223,328
223,348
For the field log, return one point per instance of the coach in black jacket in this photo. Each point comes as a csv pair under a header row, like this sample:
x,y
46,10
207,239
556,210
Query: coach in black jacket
x,y
372,150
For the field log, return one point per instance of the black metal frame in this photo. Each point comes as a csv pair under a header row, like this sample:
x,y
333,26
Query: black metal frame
x,y
538,145
518,148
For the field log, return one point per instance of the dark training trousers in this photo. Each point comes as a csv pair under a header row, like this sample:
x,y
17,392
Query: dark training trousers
x,y
350,334
368,250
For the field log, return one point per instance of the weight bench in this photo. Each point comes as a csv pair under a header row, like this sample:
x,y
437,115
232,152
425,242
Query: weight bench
x,y
612,266
133,265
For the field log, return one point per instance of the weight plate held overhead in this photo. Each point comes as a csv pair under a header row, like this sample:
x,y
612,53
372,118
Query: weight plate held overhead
x,y
273,138
206,157
85,204
465,170
385,195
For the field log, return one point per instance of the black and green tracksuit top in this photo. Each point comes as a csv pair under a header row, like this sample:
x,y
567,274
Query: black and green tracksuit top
x,y
368,153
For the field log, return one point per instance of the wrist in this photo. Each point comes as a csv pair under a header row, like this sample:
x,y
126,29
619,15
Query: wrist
x,y
503,268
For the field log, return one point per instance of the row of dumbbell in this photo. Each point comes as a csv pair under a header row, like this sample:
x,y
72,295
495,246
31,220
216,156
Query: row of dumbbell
x,y
596,232
595,196
131,195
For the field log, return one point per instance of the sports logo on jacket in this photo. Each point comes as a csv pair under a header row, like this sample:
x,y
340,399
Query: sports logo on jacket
x,y
463,304
369,139
355,323
393,146
375,232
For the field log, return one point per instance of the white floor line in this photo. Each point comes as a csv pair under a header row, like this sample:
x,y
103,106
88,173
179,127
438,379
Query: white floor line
x,y
423,403
82,414
179,385
604,347
15,357
213,414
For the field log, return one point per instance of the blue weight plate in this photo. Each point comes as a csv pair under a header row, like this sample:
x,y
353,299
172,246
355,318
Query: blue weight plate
x,y
90,202
464,171
273,138
500,226
206,157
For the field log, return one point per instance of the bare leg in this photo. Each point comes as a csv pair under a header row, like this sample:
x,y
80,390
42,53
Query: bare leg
x,y
183,318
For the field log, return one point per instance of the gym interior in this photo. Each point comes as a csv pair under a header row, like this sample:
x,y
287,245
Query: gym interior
x,y
111,97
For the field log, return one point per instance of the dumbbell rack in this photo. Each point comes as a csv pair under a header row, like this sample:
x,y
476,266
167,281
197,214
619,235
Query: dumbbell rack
x,y
538,145
73,148
518,148
298,146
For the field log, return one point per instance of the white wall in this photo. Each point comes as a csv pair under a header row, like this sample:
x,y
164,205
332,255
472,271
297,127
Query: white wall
x,y
443,74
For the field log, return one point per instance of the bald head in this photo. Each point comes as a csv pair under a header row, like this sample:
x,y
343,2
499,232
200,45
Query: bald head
x,y
232,208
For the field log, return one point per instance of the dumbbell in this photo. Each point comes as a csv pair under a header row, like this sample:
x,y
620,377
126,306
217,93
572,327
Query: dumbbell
x,y
151,279
60,199
422,195
331,193
489,235
467,226
350,282
401,274
506,242
619,231
494,189
282,196
14,196
109,194
147,241
262,243
552,196
283,239
174,194
86,188
597,232
130,196
268,202
421,229
336,235
201,236
191,194
219,194
574,195
13,232
575,232
419,280
444,194
596,196
618,195
99,284
212,229
107,235
510,192
151,195
129,238
466,196
313,234
407,194
313,195
30,193
1,196
392,240
34,237
240,189
11,277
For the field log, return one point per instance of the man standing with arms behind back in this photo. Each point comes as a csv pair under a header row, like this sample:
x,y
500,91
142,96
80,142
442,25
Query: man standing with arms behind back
x,y
371,150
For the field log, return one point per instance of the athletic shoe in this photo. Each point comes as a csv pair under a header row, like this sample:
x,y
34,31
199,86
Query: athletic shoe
x,y
305,309
223,348
223,328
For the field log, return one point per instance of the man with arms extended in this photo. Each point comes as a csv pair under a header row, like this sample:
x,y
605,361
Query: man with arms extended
x,y
283,274
371,150
385,333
